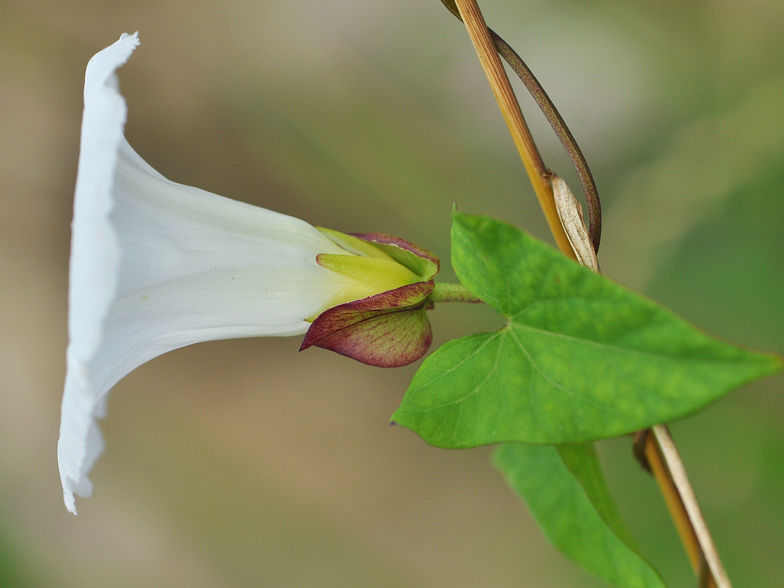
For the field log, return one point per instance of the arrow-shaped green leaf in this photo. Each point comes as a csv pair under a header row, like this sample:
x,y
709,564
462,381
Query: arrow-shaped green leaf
x,y
580,358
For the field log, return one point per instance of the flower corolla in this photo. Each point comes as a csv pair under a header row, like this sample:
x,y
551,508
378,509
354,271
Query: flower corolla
x,y
157,265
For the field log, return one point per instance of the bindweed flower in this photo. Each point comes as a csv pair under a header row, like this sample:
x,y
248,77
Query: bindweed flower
x,y
156,265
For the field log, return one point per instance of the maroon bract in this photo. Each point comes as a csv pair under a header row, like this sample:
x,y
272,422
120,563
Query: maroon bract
x,y
390,329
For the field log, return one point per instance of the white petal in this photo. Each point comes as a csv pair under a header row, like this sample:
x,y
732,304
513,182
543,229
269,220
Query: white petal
x,y
156,266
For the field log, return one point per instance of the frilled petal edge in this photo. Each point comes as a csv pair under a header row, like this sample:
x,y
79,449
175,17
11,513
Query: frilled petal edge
x,y
94,267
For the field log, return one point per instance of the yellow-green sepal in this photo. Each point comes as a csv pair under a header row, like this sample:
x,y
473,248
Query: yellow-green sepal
x,y
353,245
419,261
371,275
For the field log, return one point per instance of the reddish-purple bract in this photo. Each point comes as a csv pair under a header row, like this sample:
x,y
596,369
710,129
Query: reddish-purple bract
x,y
390,329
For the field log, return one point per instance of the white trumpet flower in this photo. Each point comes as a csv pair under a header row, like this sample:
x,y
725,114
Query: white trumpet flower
x,y
156,266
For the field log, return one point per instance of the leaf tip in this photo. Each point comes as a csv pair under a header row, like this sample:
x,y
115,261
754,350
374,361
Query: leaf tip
x,y
775,362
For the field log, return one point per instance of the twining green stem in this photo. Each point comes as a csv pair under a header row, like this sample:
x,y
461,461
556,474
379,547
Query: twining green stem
x,y
452,293
559,126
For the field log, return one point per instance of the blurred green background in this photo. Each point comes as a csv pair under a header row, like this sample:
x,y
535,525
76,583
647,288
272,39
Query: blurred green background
x,y
244,463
